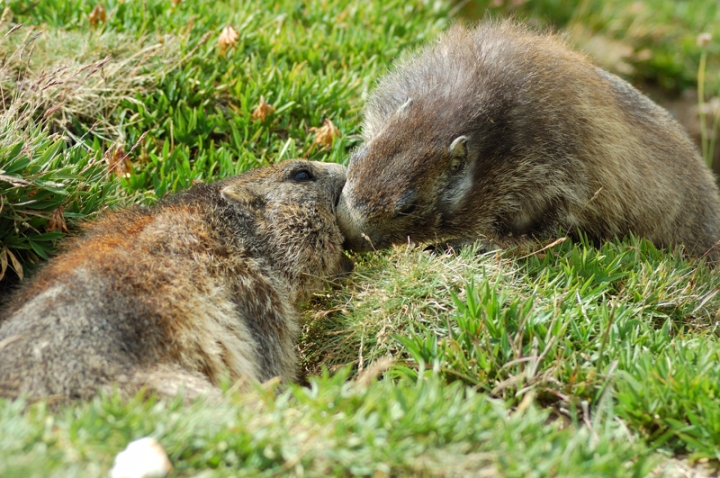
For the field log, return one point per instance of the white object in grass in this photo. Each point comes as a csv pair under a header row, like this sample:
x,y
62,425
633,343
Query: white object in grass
x,y
143,458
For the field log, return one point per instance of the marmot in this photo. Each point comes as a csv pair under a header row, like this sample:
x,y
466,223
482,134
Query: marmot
x,y
206,285
504,134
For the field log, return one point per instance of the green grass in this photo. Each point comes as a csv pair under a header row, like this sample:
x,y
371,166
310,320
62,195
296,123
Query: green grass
x,y
561,329
408,428
572,361
165,93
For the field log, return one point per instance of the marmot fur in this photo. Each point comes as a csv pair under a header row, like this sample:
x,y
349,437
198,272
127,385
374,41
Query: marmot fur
x,y
503,134
206,285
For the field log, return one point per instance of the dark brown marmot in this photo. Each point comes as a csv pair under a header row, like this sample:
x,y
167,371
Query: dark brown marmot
x,y
503,134
204,286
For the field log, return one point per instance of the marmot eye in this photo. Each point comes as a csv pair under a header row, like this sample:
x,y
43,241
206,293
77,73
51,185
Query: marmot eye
x,y
302,175
407,210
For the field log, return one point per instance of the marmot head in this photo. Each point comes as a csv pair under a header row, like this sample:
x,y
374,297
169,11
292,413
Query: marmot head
x,y
404,182
292,206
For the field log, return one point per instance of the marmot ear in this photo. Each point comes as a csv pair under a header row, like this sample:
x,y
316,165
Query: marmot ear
x,y
241,193
458,153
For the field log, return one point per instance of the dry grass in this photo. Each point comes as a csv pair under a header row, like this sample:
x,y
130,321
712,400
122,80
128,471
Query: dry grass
x,y
58,78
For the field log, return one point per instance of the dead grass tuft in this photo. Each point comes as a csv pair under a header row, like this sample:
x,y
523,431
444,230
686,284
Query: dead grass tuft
x,y
56,78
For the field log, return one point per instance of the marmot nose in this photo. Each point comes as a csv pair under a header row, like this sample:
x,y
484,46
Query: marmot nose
x,y
340,187
335,175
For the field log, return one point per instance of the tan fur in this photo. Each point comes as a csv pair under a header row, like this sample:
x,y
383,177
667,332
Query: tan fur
x,y
203,287
550,144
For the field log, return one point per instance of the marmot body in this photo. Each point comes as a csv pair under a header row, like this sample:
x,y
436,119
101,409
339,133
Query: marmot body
x,y
503,134
206,285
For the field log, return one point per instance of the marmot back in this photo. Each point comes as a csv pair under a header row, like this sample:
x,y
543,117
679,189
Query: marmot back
x,y
204,286
504,134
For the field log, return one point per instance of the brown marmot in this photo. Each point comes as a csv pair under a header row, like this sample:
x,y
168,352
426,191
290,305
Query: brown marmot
x,y
206,285
504,134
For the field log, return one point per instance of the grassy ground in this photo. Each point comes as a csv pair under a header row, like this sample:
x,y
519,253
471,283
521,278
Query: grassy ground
x,y
570,361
